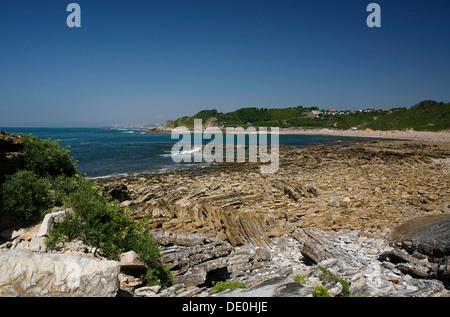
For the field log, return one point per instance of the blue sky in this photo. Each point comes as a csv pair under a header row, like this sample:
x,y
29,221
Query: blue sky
x,y
144,61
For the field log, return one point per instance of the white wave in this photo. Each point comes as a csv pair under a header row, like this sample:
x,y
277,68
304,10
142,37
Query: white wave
x,y
194,151
108,176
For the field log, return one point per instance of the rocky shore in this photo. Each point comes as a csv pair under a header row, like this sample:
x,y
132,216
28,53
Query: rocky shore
x,y
255,227
370,186
368,218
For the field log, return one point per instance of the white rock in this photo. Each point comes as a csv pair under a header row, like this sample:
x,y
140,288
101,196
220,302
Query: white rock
x,y
21,245
37,244
144,291
131,260
328,263
26,273
336,289
50,219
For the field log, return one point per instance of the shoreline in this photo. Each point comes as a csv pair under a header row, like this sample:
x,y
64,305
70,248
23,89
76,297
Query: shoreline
x,y
443,136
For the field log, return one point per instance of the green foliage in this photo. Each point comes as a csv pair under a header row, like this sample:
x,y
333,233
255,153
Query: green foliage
x,y
427,115
321,291
25,195
189,121
101,222
300,279
344,283
49,179
61,186
47,158
243,116
221,286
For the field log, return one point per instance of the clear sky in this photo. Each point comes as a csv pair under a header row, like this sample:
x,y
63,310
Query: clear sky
x,y
145,61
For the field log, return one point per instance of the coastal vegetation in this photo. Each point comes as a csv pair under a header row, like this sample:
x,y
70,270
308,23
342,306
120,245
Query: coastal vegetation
x,y
427,115
321,291
344,283
221,286
300,279
50,178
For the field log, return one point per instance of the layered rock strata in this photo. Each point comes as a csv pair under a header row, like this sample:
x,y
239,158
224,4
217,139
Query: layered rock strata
x,y
369,186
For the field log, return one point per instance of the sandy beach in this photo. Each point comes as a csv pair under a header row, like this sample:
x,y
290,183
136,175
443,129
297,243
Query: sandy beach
x,y
443,136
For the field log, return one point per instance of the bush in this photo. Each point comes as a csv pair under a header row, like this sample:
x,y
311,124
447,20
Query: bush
x,y
300,279
50,178
25,195
344,283
61,186
47,158
101,222
221,286
321,291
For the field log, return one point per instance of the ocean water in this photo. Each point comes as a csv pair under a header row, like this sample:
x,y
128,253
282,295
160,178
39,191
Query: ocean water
x,y
112,152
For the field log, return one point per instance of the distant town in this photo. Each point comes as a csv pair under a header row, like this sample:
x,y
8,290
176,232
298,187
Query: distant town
x,y
346,112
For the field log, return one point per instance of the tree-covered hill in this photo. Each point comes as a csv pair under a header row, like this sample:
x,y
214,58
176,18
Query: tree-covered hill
x,y
428,115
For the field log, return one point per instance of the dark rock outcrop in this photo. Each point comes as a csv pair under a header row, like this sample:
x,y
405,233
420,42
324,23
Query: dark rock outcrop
x,y
429,236
11,156
422,247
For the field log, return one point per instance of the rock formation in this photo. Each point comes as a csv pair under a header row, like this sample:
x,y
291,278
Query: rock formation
x,y
365,188
11,156
26,273
349,218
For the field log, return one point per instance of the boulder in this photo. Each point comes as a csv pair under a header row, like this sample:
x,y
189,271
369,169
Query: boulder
x,y
429,235
28,274
182,258
131,261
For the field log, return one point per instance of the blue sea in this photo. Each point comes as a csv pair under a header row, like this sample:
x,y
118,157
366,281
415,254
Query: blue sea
x,y
113,152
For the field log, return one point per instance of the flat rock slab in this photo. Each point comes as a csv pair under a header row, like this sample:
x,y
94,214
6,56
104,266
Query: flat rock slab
x,y
30,274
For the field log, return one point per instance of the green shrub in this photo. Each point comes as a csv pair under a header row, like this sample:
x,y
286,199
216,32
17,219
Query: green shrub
x,y
47,158
60,188
101,222
321,291
300,279
25,195
50,178
344,283
221,286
